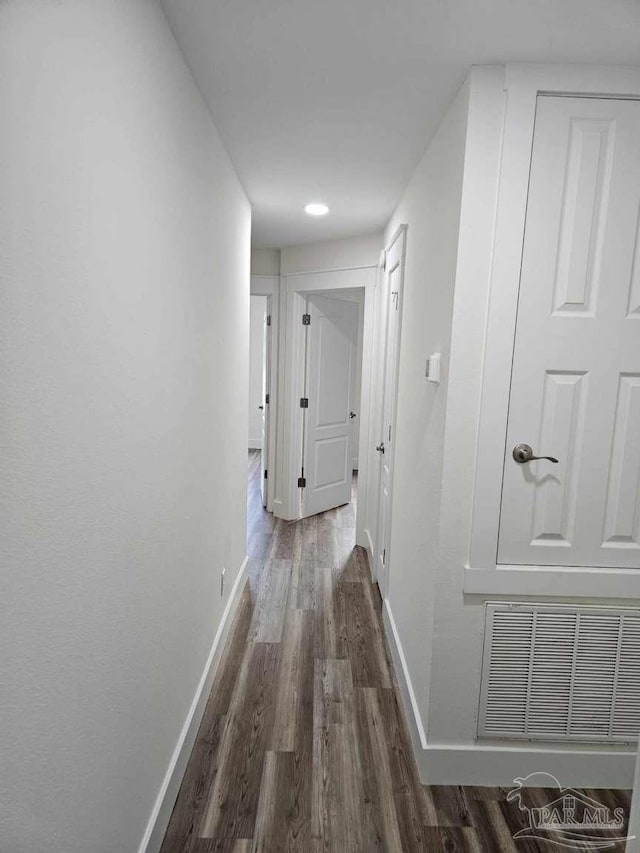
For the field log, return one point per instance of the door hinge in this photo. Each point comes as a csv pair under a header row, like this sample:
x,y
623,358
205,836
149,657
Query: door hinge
x,y
384,555
389,432
306,319
266,474
268,319
304,402
302,482
267,398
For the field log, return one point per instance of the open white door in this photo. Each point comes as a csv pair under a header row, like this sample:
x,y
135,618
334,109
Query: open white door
x,y
575,385
332,338
392,295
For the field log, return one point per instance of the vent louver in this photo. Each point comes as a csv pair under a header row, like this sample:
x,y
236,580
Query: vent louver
x,y
555,672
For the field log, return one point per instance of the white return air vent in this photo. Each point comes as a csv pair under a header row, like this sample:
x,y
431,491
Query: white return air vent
x,y
555,672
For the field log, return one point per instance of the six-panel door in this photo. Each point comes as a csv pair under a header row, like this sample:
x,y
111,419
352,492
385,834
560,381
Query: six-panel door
x,y
575,387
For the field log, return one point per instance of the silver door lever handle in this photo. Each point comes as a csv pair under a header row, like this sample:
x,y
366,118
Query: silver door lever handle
x,y
524,453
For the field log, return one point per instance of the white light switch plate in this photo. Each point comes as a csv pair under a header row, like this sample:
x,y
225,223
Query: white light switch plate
x,y
432,372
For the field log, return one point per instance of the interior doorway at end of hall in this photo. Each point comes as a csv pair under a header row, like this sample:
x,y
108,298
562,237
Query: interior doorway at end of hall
x,y
259,350
332,398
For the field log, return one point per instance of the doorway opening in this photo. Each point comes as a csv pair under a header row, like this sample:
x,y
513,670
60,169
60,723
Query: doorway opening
x,y
258,354
331,401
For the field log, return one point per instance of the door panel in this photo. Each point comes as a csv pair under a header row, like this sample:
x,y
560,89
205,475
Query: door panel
x,y
266,421
392,294
575,386
331,361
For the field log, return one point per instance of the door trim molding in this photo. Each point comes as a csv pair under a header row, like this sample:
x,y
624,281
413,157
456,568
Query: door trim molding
x,y
400,234
522,85
269,285
291,375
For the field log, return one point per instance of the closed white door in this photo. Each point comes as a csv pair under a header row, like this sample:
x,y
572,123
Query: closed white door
x,y
575,387
392,294
266,384
258,310
331,360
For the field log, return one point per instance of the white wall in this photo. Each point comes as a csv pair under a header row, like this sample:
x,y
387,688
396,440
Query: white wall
x,y
331,255
265,261
450,207
256,368
124,312
430,207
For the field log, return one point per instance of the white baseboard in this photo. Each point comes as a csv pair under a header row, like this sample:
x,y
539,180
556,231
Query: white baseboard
x,y
368,546
407,694
165,801
498,764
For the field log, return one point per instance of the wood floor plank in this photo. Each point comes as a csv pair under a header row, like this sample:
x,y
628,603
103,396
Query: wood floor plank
x,y
361,641
452,839
329,644
268,617
338,815
373,734
325,541
294,691
283,823
225,680
449,806
491,828
223,845
183,830
233,802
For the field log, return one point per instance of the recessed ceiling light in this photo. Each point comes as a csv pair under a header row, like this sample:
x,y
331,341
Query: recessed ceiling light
x,y
316,208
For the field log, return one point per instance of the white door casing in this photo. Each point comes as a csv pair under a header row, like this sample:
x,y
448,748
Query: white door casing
x,y
392,296
256,369
575,387
332,338
266,421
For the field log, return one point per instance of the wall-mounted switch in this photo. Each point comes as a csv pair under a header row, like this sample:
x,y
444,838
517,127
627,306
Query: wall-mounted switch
x,y
432,370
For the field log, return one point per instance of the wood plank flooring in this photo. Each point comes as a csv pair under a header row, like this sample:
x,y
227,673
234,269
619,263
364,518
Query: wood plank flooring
x,y
303,745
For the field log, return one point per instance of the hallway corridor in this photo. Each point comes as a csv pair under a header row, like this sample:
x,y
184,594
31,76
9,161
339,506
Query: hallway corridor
x,y
302,737
302,746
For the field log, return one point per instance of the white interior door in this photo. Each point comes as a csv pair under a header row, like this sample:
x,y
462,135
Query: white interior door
x,y
258,310
332,338
266,385
575,387
392,294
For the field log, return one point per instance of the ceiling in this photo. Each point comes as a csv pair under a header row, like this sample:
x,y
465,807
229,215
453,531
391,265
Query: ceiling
x,y
336,100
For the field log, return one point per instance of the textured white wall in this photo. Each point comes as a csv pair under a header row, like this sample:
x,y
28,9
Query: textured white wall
x,y
331,254
431,208
124,349
265,262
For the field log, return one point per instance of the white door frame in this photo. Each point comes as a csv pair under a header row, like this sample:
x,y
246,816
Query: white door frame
x,y
633,831
380,426
291,373
523,83
269,285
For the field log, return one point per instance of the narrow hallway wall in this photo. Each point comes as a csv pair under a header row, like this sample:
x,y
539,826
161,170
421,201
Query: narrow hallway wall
x,y
124,304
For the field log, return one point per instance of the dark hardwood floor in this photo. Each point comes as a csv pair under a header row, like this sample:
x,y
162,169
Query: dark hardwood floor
x,y
303,745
